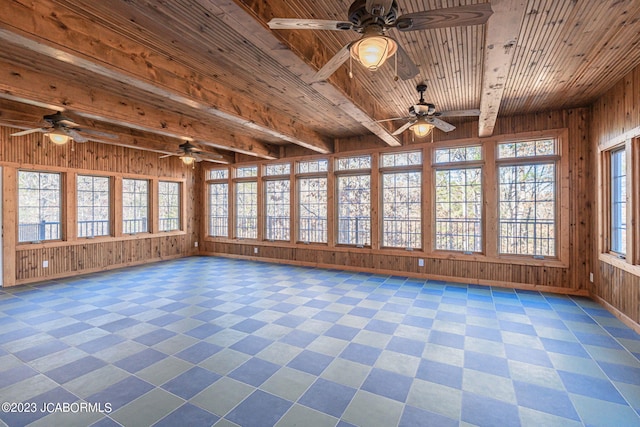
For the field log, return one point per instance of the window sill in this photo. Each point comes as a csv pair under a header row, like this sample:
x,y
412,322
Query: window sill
x,y
416,253
95,240
620,263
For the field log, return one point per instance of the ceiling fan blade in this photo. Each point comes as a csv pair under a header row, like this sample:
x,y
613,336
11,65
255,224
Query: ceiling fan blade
x,y
406,68
97,133
392,120
75,135
458,113
333,64
404,127
29,131
308,24
441,124
474,14
209,155
378,7
67,123
166,155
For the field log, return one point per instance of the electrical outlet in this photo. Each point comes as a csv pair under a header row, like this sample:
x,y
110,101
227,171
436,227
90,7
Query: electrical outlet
x,y
420,262
591,277
255,250
45,264
195,244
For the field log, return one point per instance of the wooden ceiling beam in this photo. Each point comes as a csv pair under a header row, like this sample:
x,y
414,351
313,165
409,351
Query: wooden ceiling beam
x,y
502,31
251,16
61,35
24,85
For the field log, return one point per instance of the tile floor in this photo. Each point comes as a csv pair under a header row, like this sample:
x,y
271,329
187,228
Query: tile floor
x,y
210,341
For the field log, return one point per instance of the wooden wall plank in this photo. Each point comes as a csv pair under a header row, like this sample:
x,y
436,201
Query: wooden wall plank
x,y
616,120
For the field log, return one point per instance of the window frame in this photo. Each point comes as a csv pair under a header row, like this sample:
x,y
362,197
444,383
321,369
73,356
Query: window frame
x,y
180,220
459,165
556,159
395,169
268,177
210,181
148,206
312,174
110,218
353,172
61,206
630,261
246,179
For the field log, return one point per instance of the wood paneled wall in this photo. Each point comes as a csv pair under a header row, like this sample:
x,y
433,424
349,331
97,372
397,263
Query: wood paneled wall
x,y
616,119
573,279
23,263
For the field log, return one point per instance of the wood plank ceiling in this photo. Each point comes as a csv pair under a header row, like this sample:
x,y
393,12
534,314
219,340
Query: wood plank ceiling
x,y
157,73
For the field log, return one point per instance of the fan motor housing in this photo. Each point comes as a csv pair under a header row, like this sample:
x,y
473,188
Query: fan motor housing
x,y
361,18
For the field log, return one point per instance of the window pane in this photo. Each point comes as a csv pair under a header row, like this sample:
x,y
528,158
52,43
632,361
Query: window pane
x,y
459,209
169,206
402,159
619,201
313,166
401,210
354,210
544,147
354,163
247,210
278,209
247,172
218,210
219,174
93,203
279,169
135,202
527,209
458,154
312,207
39,206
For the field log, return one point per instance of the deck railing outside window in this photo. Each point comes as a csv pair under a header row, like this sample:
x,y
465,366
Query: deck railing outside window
x,y
34,232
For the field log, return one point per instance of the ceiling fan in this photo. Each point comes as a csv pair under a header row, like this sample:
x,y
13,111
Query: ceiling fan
x,y
188,153
423,117
61,130
372,19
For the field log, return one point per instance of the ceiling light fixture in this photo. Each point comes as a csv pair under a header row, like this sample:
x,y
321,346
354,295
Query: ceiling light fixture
x,y
58,136
373,49
421,128
187,159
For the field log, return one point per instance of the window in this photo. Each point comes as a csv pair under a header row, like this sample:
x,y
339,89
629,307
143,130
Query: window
x,y
93,205
458,200
527,194
354,201
402,201
169,206
278,207
135,206
247,203
218,203
619,201
39,206
312,201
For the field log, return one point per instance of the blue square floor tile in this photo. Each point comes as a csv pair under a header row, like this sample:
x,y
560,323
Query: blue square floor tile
x,y
259,409
388,384
544,399
254,371
310,362
191,382
328,397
